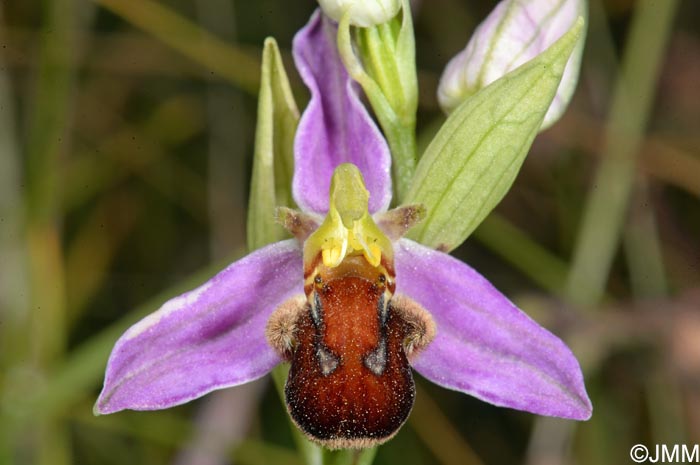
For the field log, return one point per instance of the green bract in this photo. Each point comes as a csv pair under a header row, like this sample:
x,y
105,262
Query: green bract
x,y
273,162
474,158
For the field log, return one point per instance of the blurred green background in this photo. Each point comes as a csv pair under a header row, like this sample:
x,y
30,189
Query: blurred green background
x,y
126,132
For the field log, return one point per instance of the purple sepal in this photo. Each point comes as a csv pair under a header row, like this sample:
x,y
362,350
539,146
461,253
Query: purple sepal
x,y
485,346
335,128
209,338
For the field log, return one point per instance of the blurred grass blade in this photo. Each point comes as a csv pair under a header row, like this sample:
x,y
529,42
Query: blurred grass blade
x,y
47,441
642,244
517,248
14,282
610,191
228,162
13,265
438,433
189,39
474,158
91,252
273,162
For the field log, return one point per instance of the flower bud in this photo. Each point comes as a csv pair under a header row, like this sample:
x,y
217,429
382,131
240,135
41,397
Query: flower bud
x,y
515,32
363,13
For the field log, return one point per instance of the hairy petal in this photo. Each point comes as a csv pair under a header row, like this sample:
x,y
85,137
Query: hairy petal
x,y
335,128
209,338
485,346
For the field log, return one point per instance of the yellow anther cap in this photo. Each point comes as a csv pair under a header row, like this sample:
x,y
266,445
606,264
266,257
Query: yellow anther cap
x,y
348,228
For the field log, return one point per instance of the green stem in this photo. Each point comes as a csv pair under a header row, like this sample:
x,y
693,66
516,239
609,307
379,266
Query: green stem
x,y
402,142
379,62
399,130
352,456
609,196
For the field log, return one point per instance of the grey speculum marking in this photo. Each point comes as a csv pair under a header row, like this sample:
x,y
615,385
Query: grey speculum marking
x,y
326,360
375,361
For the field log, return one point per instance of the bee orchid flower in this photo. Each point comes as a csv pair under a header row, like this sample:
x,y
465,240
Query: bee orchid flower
x,y
349,303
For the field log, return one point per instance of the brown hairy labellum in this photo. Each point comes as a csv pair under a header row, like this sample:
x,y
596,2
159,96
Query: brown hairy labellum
x,y
350,383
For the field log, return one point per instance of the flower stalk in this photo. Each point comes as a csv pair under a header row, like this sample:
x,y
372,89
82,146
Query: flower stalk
x,y
387,73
